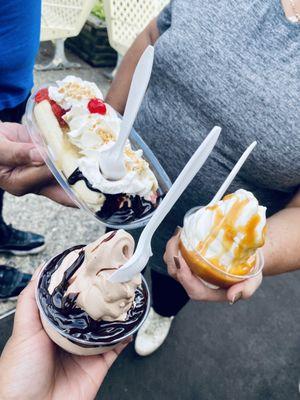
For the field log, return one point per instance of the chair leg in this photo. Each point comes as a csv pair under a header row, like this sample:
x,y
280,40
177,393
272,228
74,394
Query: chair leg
x,y
112,74
59,60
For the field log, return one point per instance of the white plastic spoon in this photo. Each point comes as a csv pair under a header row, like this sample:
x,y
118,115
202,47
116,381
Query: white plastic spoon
x,y
143,250
111,161
220,193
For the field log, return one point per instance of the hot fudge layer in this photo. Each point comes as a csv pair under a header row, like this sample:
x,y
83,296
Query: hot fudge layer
x,y
119,208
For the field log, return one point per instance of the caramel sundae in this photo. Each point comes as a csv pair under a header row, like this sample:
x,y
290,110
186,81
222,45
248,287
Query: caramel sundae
x,y
221,242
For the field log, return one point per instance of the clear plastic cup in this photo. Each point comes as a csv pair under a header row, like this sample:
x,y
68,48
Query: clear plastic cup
x,y
164,182
79,346
211,275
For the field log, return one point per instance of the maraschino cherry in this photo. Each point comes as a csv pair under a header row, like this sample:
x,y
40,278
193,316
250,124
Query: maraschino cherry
x,y
97,106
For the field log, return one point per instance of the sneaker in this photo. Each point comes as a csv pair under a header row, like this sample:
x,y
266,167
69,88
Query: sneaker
x,y
20,243
152,334
12,282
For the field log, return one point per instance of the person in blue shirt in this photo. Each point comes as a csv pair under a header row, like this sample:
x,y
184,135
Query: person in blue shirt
x,y
19,43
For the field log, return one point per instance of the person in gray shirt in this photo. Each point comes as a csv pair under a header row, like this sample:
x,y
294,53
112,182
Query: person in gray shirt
x,y
236,65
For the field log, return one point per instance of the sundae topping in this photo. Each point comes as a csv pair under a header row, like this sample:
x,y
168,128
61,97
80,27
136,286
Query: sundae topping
x,y
97,106
73,91
41,95
89,132
99,298
139,179
228,233
59,112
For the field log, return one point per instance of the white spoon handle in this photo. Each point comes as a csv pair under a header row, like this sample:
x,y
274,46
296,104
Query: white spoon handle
x,y
181,183
139,84
143,250
220,193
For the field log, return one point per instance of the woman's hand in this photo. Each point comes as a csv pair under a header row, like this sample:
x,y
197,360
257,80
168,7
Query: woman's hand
x,y
195,288
22,169
33,367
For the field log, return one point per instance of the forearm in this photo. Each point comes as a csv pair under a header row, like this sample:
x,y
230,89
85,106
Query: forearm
x,y
118,92
282,248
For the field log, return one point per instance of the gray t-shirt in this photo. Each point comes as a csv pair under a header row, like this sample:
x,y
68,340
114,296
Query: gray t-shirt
x,y
235,64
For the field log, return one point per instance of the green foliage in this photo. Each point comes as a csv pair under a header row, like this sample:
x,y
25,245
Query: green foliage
x,y
98,10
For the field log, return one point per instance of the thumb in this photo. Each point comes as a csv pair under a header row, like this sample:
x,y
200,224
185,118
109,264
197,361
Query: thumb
x,y
27,320
14,154
244,290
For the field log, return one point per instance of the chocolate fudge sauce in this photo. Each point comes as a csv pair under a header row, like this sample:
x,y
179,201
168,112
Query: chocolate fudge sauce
x,y
118,208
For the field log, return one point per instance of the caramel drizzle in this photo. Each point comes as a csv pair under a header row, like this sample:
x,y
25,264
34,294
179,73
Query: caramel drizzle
x,y
244,250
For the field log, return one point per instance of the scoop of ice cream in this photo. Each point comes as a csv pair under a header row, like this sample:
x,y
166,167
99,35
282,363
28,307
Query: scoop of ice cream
x,y
228,233
89,132
101,299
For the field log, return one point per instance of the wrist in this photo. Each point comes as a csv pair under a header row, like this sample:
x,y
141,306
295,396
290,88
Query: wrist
x,y
268,261
115,103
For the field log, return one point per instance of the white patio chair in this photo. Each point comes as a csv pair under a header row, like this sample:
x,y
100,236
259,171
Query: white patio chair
x,y
126,19
62,19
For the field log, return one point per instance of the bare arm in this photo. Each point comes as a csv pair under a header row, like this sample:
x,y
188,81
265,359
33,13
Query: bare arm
x,y
119,89
282,248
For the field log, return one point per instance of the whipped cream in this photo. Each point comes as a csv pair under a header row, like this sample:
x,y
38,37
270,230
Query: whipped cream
x,y
74,92
90,132
229,232
139,179
101,299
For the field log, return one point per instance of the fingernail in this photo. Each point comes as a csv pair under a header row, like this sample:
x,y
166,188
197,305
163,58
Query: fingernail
x,y
177,262
35,156
236,298
177,230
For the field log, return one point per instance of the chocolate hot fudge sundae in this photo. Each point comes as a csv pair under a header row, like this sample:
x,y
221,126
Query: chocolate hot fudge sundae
x,y
81,310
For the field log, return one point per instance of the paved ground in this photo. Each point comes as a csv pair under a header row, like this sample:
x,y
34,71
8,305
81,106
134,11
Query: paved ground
x,y
249,351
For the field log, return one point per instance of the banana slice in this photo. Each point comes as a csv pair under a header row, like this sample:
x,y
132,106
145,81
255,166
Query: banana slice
x,y
66,159
49,127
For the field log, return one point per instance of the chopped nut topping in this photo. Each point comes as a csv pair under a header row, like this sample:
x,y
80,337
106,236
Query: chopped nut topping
x,y
135,164
106,136
77,91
